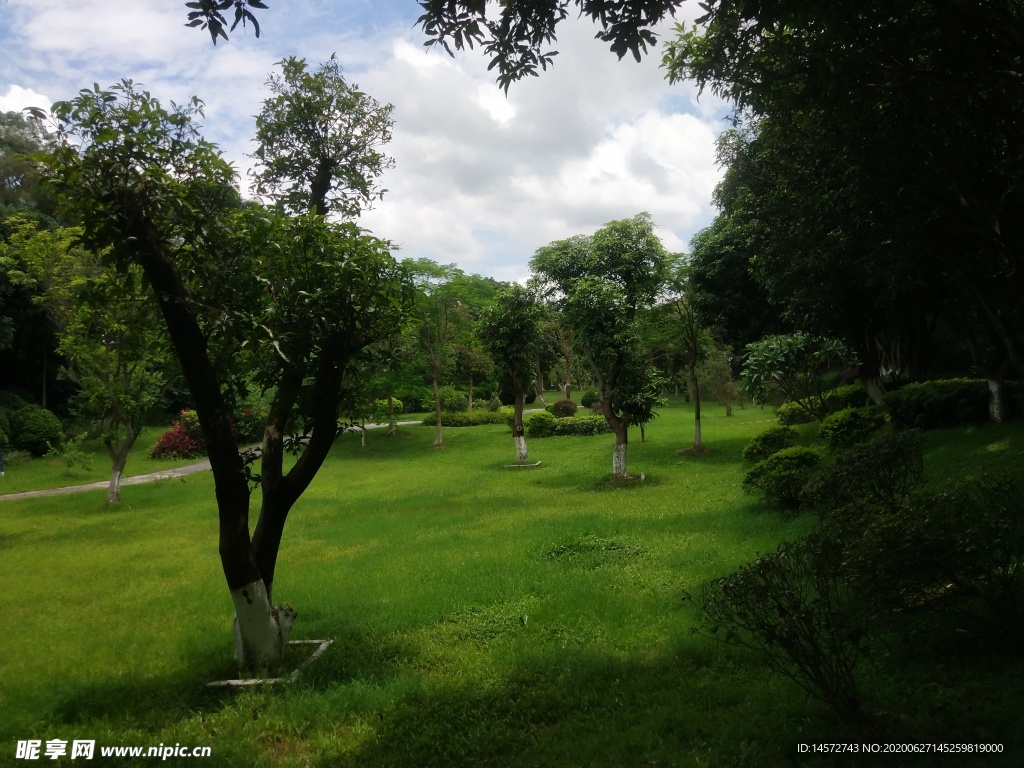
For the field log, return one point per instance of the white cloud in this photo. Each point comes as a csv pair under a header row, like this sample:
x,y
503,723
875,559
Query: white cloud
x,y
481,179
16,98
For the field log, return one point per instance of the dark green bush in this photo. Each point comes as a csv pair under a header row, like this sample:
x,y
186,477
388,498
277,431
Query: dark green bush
x,y
794,610
589,398
791,413
540,425
5,444
12,402
936,404
473,418
850,426
452,400
5,420
770,441
882,472
562,409
782,476
36,430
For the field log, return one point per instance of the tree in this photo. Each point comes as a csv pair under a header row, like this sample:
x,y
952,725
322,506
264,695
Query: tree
x,y
601,282
899,130
437,318
294,299
319,141
692,338
510,332
794,366
107,329
714,373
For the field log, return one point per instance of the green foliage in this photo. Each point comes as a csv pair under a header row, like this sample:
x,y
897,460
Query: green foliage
x,y
714,376
769,442
793,365
184,439
541,425
36,430
882,472
546,425
11,401
832,400
473,418
850,426
935,404
379,411
452,400
782,476
795,612
71,454
791,414
561,409
5,442
589,398
310,122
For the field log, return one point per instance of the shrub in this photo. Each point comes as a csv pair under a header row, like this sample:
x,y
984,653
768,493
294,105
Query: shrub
x,y
782,476
473,418
589,398
184,440
791,413
850,426
883,471
379,409
5,420
36,430
452,401
12,401
5,443
581,426
561,409
793,609
935,404
848,396
249,424
540,425
770,441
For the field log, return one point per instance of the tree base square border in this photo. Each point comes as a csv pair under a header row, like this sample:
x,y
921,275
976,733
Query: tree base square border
x,y
322,645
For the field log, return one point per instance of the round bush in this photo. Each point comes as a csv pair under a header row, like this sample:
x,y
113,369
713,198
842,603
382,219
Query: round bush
x,y
12,402
791,413
561,409
540,425
36,430
589,398
770,441
850,426
782,476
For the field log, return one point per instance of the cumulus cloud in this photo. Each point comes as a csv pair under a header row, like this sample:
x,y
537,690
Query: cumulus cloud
x,y
481,179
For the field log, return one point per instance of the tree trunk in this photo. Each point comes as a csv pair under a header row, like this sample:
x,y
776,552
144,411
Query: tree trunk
x,y
362,433
540,383
392,422
118,452
619,460
437,406
470,408
260,631
518,433
997,401
695,386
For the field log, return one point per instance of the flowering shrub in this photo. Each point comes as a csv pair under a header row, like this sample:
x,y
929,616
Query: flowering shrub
x,y
184,440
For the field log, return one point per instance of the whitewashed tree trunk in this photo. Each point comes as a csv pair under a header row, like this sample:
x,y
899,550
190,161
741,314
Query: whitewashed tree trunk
x,y
619,461
260,631
114,489
997,401
521,455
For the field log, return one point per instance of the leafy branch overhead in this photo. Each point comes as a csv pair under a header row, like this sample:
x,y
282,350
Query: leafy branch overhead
x,y
208,14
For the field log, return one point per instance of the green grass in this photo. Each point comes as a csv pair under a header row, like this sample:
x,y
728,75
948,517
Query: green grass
x,y
25,473
480,615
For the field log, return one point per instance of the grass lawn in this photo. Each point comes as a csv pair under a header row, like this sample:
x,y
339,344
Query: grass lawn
x,y
28,474
480,615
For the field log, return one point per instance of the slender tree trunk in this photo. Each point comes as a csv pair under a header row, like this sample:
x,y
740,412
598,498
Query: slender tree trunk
x,y
540,383
118,452
619,454
695,387
470,390
518,432
997,400
392,421
437,405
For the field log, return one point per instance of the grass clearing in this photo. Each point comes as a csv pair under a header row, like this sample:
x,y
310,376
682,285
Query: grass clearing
x,y
480,615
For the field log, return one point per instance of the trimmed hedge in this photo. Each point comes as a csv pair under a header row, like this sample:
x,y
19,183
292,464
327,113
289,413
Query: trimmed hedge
x,y
36,430
473,418
945,403
769,442
782,476
589,398
546,425
850,426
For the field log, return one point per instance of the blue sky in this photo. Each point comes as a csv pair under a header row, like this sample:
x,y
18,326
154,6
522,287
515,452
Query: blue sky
x,y
481,180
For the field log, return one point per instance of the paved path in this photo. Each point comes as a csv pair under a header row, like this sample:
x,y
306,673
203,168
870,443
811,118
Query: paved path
x,y
163,474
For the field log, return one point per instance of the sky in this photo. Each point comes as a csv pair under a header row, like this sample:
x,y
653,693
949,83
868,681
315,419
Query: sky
x,y
481,180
